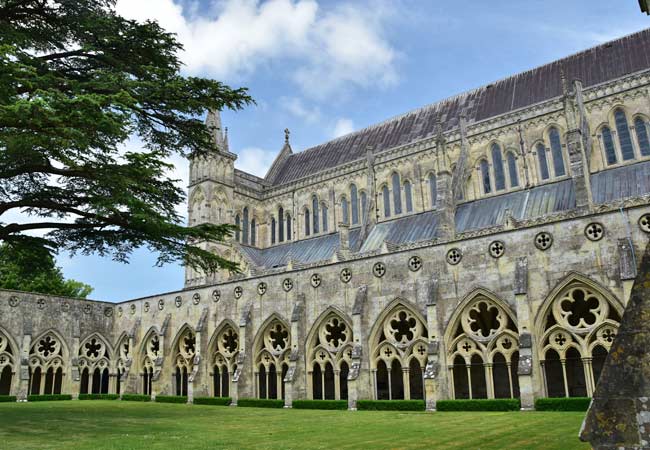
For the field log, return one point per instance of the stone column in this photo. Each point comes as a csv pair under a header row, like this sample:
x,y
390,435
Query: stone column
x,y
238,377
354,387
23,382
432,369
525,368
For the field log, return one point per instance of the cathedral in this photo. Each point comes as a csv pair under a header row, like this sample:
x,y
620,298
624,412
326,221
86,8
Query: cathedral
x,y
483,246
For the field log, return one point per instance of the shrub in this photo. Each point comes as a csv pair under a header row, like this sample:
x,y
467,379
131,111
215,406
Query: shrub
x,y
562,404
136,397
390,405
223,401
171,399
320,404
497,404
99,396
48,397
260,403
7,398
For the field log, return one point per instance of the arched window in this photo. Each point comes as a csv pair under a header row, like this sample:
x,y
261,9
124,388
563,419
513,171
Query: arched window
x,y
408,196
253,231
608,143
314,207
184,359
281,224
344,211
245,226
151,352
397,193
556,151
543,162
354,203
433,189
485,176
271,360
641,129
46,359
238,230
328,353
288,227
484,349
399,355
307,222
386,198
95,359
364,206
497,163
323,209
6,365
580,325
512,170
273,226
224,360
624,137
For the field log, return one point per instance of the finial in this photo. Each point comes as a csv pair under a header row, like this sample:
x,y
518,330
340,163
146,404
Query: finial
x,y
286,135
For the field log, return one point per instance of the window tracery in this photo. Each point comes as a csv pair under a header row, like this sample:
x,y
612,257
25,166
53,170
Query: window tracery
x,y
399,355
184,359
556,152
433,189
641,129
151,354
224,360
46,363
329,359
354,204
483,352
272,360
542,162
7,364
94,363
579,329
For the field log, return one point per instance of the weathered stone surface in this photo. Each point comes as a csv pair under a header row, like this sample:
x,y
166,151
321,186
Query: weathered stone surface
x,y
618,416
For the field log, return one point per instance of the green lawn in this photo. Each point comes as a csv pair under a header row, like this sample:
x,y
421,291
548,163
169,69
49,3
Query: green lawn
x,y
131,425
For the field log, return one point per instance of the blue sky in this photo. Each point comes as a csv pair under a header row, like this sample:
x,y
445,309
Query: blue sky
x,y
326,68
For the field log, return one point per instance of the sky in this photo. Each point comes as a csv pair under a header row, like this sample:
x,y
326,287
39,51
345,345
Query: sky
x,y
326,68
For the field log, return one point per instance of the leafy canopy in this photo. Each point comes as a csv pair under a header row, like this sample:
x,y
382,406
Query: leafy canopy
x,y
33,269
76,81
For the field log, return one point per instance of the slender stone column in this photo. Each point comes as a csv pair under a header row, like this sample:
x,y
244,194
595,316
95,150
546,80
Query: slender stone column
x,y
525,367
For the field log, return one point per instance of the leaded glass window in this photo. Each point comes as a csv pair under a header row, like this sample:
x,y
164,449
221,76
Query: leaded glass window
x,y
485,175
344,211
354,203
624,137
556,152
497,163
314,206
608,143
433,189
543,162
512,170
408,196
642,136
397,193
386,197
281,224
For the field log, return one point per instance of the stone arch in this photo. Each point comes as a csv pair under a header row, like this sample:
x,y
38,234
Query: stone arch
x,y
150,353
223,349
9,361
576,326
482,350
123,360
271,348
399,333
182,353
95,363
48,355
329,355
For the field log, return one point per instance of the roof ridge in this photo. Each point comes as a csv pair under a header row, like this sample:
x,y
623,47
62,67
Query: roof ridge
x,y
469,92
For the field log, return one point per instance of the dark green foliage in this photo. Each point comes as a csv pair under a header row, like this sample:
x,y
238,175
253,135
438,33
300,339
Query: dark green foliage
x,y
260,403
320,404
562,404
77,81
390,405
25,267
497,404
7,398
99,396
171,399
48,397
136,398
223,401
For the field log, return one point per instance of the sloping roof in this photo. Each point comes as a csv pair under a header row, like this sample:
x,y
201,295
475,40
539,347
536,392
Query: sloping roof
x,y
306,251
527,204
621,182
416,228
607,186
594,66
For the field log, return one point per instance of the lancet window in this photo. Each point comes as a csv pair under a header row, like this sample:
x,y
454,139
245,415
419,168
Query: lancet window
x,y
272,360
224,360
46,363
7,364
94,366
184,361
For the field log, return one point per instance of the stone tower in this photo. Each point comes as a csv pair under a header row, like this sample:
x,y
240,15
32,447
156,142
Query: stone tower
x,y
210,191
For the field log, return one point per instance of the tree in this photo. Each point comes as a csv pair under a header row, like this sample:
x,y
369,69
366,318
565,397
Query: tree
x,y
33,269
76,81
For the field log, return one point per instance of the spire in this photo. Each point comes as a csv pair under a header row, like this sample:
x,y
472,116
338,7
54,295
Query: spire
x,y
286,136
226,145
213,122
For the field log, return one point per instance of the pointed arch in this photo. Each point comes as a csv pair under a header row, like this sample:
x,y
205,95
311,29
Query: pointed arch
x,y
65,352
271,348
225,323
11,341
152,331
110,349
185,327
322,316
385,312
260,331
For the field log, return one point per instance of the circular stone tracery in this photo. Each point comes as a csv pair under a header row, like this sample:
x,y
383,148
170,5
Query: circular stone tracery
x,y
483,319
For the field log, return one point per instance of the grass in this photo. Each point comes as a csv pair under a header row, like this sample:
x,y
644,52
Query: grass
x,y
103,424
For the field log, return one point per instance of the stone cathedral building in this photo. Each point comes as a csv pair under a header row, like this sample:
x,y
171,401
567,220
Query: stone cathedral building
x,y
483,246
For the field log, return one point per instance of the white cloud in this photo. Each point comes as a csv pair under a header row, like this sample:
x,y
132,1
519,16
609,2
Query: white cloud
x,y
342,127
327,49
254,160
298,108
